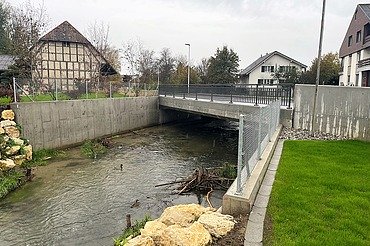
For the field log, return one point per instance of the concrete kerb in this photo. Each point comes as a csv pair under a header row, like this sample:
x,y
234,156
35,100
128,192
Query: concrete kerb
x,y
254,230
241,204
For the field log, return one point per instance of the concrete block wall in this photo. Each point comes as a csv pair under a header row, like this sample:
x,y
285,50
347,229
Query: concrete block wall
x,y
63,123
341,110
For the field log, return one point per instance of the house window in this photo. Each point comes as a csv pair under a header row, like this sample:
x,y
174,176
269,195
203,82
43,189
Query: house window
x,y
358,36
260,81
357,79
66,44
350,40
267,69
366,32
349,79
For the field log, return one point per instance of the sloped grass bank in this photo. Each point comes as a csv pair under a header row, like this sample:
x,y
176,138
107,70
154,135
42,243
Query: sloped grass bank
x,y
321,195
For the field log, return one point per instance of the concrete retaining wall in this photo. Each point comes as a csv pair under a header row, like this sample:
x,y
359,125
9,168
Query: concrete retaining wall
x,y
343,111
63,123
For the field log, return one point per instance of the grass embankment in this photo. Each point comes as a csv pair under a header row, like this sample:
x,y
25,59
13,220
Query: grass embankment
x,y
14,178
321,195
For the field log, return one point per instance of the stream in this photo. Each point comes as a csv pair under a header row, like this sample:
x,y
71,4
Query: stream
x,y
78,201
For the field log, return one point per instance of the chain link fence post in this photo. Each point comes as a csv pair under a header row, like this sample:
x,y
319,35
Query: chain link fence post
x,y
110,89
14,90
240,155
259,133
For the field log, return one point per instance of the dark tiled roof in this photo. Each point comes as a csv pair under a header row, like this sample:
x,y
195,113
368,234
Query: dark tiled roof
x,y
6,61
65,32
260,60
264,58
366,9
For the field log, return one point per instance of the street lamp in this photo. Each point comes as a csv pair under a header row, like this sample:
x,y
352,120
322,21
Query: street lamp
x,y
188,69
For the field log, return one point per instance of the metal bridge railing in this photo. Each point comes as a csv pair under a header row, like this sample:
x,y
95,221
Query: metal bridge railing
x,y
255,131
256,94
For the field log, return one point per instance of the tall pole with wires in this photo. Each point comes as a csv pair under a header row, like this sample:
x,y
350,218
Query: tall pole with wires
x,y
318,67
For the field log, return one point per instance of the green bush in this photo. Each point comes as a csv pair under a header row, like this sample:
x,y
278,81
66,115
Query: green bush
x,y
39,157
228,171
93,149
5,100
9,181
131,231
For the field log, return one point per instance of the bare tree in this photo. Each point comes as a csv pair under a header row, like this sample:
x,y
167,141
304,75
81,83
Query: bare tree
x,y
202,70
166,65
98,34
26,24
140,61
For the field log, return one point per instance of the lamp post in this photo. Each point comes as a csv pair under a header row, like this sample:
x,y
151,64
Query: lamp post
x,y
188,68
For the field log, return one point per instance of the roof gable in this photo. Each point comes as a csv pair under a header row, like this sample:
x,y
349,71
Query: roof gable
x,y
65,32
360,18
264,58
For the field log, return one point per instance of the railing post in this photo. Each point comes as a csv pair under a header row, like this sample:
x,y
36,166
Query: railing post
x,y
196,95
270,121
183,96
173,94
14,90
256,99
290,97
240,155
110,89
231,98
259,134
211,96
56,91
165,93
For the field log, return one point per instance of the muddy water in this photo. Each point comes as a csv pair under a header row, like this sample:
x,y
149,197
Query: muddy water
x,y
84,202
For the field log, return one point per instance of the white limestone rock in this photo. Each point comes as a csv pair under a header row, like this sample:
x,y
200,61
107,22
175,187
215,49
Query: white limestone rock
x,y
217,224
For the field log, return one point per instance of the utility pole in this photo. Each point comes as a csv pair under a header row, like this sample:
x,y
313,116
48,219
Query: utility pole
x,y
318,67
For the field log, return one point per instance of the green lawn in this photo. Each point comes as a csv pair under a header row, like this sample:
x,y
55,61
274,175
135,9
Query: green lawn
x,y
321,195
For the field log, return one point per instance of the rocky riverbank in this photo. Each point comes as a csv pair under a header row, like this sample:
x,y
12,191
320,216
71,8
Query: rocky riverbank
x,y
184,225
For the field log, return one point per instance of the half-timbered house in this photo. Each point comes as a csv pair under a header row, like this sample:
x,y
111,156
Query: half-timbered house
x,y
64,56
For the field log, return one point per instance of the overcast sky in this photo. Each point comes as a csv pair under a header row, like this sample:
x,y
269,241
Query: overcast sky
x,y
250,27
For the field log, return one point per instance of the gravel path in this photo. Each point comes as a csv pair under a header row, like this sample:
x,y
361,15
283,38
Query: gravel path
x,y
298,134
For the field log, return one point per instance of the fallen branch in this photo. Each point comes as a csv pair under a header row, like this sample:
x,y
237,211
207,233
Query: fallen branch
x,y
208,200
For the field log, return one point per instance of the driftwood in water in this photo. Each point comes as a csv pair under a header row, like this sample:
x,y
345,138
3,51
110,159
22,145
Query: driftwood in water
x,y
201,179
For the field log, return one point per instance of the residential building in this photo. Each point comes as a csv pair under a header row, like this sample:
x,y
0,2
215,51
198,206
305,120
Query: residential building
x,y
355,50
263,69
64,56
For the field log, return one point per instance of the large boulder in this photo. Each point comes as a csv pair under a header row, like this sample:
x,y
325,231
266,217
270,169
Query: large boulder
x,y
194,235
140,241
7,114
182,215
153,229
6,164
12,131
217,224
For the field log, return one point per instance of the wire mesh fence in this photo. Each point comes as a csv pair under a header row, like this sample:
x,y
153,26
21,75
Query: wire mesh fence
x,y
26,90
255,131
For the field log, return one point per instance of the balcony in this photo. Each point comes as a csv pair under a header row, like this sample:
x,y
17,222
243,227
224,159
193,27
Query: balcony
x,y
363,65
367,39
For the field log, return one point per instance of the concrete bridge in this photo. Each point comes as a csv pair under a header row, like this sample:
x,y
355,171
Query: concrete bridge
x,y
225,101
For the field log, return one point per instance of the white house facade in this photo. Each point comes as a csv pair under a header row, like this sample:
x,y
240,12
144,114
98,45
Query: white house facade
x,y
263,69
355,50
